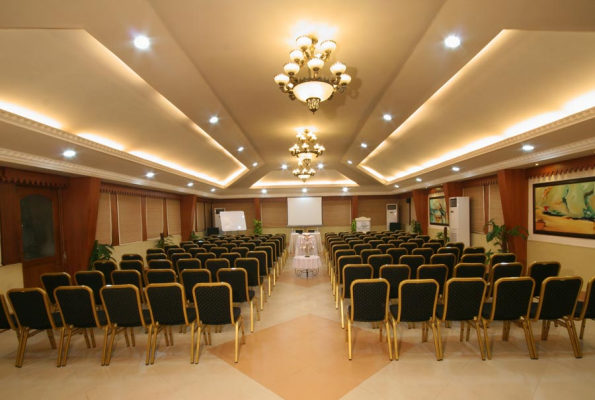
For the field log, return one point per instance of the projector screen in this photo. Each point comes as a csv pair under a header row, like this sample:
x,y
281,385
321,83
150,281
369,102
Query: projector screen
x,y
232,221
304,211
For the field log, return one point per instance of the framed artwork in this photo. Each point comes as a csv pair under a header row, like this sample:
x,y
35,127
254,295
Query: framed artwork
x,y
438,214
565,208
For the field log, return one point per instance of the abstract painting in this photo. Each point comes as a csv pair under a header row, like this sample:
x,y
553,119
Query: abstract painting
x,y
565,208
438,214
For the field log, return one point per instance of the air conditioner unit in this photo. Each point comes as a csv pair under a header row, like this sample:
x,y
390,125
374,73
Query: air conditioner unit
x,y
392,215
460,225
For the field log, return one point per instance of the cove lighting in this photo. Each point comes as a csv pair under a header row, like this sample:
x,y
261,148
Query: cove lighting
x,y
452,42
69,153
150,174
142,42
32,115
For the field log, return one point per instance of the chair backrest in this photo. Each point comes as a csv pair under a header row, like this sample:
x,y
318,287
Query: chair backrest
x,y
448,259
358,248
450,250
167,304
203,257
335,247
469,270
386,239
512,299
588,306
218,251
174,250
188,263
106,267
409,246
365,254
377,261
417,241
342,261
540,271
352,272
354,242
7,320
269,251
395,274
369,300
250,246
242,251
238,280
375,243
231,257
385,247
256,242
413,262
216,264
425,238
463,299
92,279
190,277
396,242
160,276
261,256
77,307
474,258
251,265
160,264
417,300
189,246
425,252
177,257
209,246
474,250
170,246
441,241
504,270
31,308
437,272
132,256
195,250
127,277
432,245
213,302
499,258
122,305
229,246
155,251
458,245
396,253
156,256
51,280
133,265
558,297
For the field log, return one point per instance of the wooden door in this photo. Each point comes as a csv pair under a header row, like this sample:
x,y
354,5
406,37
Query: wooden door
x,y
41,245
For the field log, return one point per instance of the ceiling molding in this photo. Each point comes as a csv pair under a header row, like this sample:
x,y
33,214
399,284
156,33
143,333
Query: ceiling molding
x,y
564,167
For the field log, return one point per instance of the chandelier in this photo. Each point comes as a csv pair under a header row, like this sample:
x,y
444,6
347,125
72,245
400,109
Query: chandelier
x,y
307,147
312,89
304,171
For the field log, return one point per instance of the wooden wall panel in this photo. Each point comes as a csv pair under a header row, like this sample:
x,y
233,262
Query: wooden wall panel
x,y
209,215
10,224
422,210
514,188
336,211
452,189
200,216
374,208
274,214
245,205
476,205
103,233
187,215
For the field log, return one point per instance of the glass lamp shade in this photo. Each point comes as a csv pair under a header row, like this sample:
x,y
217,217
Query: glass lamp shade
x,y
303,42
315,64
345,79
296,55
328,45
305,157
338,68
281,79
313,89
291,68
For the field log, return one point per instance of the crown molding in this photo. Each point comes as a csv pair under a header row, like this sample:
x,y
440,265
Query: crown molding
x,y
46,130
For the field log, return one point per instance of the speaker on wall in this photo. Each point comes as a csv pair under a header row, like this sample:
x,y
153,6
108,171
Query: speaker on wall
x,y
212,231
394,226
408,200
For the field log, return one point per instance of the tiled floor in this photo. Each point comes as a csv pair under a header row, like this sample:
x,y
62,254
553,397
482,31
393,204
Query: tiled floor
x,y
298,351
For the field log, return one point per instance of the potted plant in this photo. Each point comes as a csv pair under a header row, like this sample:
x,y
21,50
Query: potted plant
x,y
415,227
257,227
353,226
163,241
501,235
443,235
194,236
101,252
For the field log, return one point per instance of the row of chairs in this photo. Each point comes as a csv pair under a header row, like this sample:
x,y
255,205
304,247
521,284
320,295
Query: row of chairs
x,y
513,302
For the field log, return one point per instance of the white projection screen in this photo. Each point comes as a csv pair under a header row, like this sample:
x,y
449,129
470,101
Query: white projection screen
x,y
304,211
232,221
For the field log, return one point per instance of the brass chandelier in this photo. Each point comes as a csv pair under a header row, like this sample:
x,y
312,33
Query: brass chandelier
x,y
312,89
305,150
304,171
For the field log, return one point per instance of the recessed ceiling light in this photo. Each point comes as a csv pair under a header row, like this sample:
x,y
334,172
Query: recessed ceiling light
x,y
349,162
536,163
345,189
240,149
364,145
264,191
387,117
190,184
213,189
418,179
396,186
142,42
320,166
255,164
150,174
69,153
456,169
284,166
214,120
528,147
304,190
452,41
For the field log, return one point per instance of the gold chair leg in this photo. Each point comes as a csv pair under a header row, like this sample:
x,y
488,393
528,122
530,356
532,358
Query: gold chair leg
x,y
395,340
22,347
126,336
390,352
573,337
349,337
583,324
462,331
60,347
111,346
237,346
479,339
50,334
67,347
529,338
342,315
198,332
104,349
156,330
251,317
192,342
437,339
86,338
484,324
261,298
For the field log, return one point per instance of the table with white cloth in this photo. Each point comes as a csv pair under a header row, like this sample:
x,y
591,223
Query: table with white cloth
x,y
307,264
296,243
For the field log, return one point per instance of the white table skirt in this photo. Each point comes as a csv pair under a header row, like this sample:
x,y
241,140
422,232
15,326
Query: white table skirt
x,y
303,262
294,243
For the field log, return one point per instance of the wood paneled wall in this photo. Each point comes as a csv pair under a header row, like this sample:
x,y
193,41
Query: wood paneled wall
x,y
514,193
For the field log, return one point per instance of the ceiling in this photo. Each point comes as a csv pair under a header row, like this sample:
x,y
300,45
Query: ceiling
x,y
71,78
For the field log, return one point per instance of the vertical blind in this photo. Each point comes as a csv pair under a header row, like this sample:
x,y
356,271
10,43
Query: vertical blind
x,y
103,232
174,224
274,214
336,211
200,216
154,217
495,210
129,219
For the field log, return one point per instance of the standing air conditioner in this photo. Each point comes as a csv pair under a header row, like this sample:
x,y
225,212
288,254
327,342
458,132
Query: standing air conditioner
x,y
460,225
392,215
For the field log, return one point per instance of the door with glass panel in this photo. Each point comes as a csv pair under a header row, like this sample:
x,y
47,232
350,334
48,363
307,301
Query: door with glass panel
x,y
40,233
